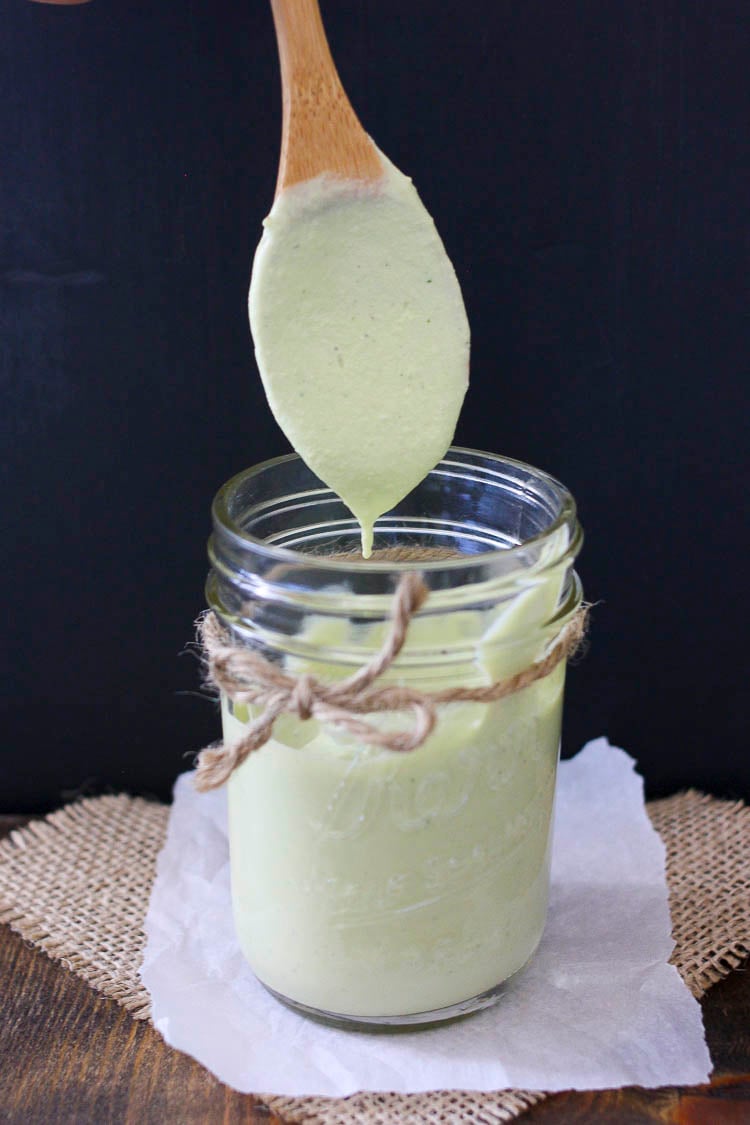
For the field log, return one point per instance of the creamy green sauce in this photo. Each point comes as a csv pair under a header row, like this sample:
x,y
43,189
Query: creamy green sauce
x,y
367,882
379,884
360,335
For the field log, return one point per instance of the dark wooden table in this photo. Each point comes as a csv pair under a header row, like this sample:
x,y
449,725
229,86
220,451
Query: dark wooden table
x,y
68,1055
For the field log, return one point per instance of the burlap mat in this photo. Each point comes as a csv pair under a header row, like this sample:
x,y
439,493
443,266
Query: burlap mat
x,y
77,885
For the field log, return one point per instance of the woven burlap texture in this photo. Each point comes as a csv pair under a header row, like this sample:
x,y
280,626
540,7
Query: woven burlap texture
x,y
77,885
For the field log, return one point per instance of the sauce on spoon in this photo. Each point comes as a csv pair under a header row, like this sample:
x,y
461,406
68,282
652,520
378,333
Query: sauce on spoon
x,y
360,331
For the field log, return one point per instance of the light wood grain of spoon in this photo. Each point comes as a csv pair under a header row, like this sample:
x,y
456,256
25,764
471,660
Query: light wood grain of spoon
x,y
320,130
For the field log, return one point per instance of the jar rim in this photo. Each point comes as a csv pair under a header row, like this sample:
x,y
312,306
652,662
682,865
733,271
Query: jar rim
x,y
566,515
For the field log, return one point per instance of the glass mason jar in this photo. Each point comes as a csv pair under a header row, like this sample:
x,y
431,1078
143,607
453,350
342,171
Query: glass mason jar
x,y
375,888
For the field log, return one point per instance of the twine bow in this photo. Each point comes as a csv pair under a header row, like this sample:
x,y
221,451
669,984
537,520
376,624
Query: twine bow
x,y
247,677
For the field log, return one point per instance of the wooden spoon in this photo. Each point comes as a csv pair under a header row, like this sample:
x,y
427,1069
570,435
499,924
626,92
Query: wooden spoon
x,y
320,130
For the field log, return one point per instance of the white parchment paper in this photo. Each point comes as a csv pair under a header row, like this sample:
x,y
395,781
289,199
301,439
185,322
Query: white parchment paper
x,y
597,1007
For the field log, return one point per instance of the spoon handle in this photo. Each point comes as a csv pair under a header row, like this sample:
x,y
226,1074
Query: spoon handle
x,y
320,130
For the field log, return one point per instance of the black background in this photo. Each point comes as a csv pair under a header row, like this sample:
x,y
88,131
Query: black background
x,y
587,167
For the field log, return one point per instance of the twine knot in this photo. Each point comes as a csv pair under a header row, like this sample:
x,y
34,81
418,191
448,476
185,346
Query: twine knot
x,y
302,697
247,677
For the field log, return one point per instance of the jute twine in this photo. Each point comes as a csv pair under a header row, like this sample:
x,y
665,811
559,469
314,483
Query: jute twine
x,y
77,886
245,676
